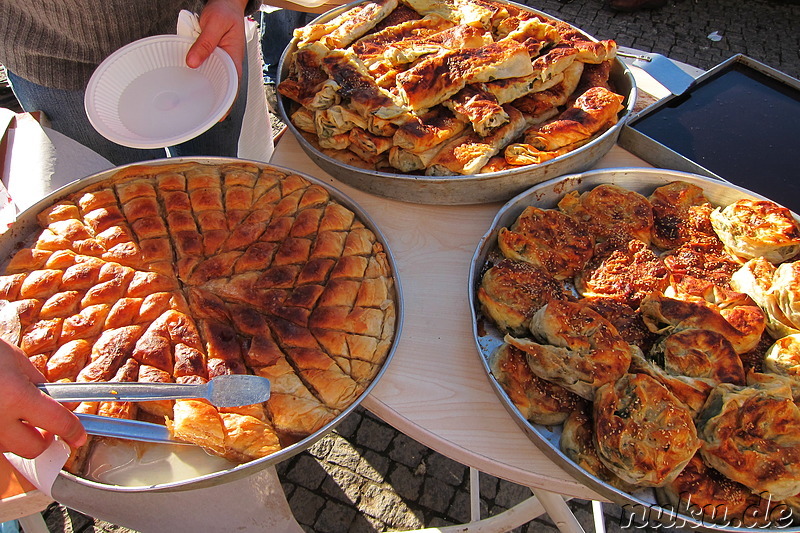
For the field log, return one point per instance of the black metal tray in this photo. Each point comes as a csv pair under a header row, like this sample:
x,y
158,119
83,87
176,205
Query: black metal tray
x,y
736,122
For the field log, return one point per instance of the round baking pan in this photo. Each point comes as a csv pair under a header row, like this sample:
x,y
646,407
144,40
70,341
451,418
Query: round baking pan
x,y
68,486
468,189
642,505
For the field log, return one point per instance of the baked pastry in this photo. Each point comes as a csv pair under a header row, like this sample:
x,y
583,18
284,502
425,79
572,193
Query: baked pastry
x,y
742,325
627,320
549,239
613,213
706,495
692,392
701,353
404,63
644,434
182,272
751,434
512,291
537,399
579,349
624,271
783,359
755,278
577,443
674,206
758,228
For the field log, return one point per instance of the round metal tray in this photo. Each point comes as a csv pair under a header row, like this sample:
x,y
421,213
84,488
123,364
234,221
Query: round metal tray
x,y
470,189
641,506
68,486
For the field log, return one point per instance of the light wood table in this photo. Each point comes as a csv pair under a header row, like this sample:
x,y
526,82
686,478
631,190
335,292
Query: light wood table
x,y
435,389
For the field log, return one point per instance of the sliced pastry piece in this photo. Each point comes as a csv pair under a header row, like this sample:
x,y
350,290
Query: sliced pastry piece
x,y
593,111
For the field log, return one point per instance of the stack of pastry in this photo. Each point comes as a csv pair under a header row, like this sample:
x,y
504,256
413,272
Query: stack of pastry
x,y
661,331
183,272
448,87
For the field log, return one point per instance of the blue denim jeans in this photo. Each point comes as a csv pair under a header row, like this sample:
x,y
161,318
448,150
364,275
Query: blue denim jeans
x,y
67,115
277,29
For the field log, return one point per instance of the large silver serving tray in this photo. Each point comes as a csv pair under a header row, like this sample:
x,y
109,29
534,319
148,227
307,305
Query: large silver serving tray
x,y
471,189
69,487
642,506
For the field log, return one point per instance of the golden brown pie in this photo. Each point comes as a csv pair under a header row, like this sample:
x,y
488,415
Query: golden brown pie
x,y
183,272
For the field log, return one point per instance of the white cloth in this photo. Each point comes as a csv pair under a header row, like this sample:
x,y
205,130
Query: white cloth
x,y
255,140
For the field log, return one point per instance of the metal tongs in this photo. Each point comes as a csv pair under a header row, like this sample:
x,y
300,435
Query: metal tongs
x,y
221,391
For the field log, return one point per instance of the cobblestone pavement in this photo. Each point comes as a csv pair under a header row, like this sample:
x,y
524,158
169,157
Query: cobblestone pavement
x,y
367,477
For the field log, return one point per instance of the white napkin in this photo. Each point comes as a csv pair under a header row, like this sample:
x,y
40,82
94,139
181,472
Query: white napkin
x,y
255,140
43,470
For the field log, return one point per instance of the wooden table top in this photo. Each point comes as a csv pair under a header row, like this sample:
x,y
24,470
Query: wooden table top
x,y
435,389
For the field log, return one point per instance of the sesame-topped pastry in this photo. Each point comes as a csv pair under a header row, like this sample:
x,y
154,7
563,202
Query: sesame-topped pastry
x,y
577,442
751,434
673,213
644,434
758,228
512,291
574,347
612,212
547,238
537,399
625,271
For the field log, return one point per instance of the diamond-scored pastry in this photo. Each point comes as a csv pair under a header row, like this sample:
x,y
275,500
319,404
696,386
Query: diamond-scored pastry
x,y
183,272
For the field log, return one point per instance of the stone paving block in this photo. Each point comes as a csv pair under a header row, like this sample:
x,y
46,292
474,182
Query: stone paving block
x,y
306,505
447,470
436,494
334,518
488,486
407,451
344,454
459,509
373,435
343,485
306,472
373,466
510,494
405,482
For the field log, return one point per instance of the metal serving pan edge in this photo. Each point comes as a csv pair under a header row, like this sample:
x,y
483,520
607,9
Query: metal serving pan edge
x,y
642,505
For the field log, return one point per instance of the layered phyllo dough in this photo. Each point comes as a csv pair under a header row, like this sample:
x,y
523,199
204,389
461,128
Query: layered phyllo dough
x,y
451,88
684,352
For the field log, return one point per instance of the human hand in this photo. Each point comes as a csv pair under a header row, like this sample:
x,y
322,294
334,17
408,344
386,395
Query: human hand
x,y
221,24
28,417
